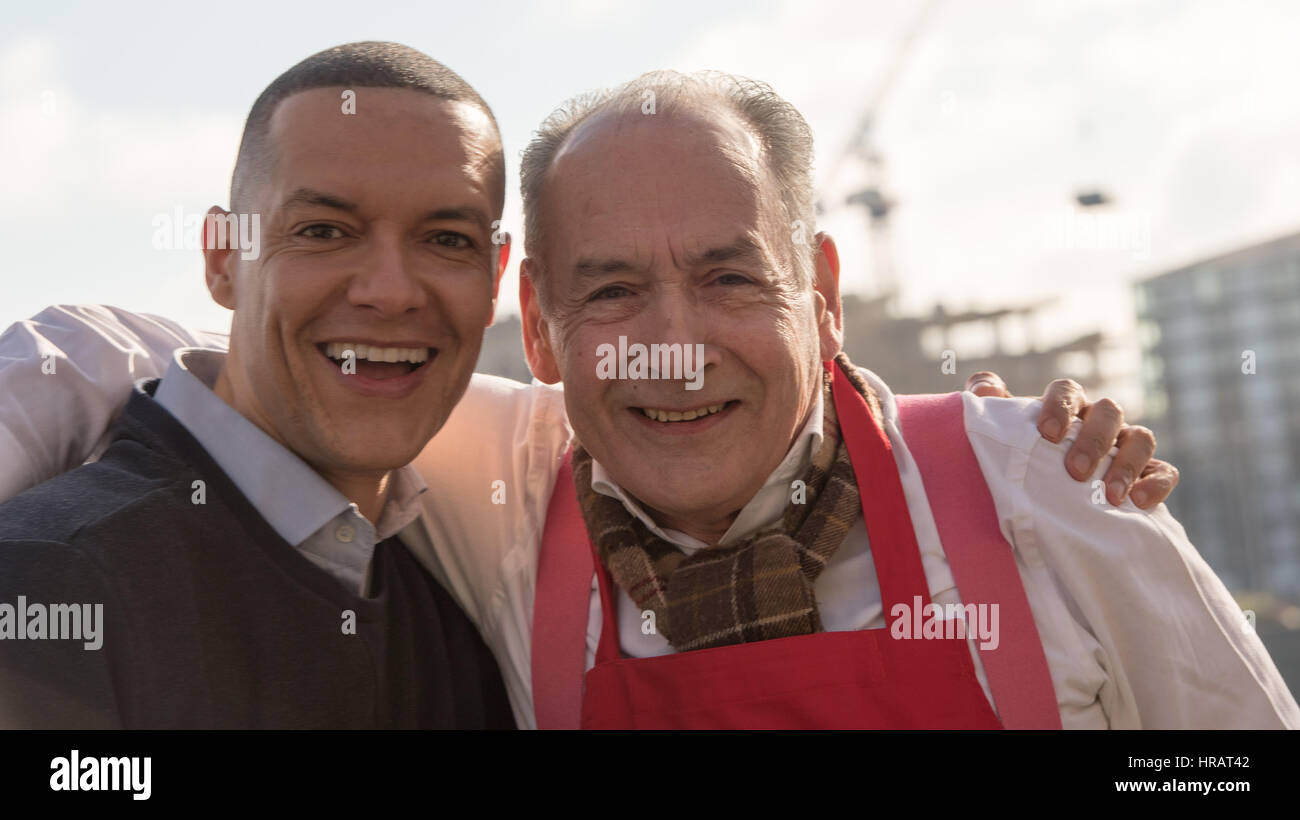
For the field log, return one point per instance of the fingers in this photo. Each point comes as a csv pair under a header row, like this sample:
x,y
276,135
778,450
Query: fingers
x,y
1102,422
988,383
1136,447
1062,400
1133,472
1157,482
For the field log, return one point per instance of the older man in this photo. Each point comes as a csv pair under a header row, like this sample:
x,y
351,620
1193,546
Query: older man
x,y
720,597
234,551
493,477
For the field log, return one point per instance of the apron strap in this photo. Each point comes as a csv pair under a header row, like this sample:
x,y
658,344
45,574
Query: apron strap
x,y
983,568
982,565
561,604
888,520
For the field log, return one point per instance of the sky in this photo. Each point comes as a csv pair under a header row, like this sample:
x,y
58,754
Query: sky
x,y
1183,111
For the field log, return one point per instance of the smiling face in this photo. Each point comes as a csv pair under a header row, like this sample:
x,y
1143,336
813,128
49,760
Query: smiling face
x,y
668,229
376,237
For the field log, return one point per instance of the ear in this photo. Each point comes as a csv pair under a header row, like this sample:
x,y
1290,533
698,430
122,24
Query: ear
x,y
537,336
826,285
218,262
503,256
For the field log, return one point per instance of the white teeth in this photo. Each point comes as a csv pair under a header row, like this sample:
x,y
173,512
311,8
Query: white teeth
x,y
676,415
375,353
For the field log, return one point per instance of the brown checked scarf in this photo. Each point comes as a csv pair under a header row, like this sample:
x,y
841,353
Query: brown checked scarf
x,y
753,590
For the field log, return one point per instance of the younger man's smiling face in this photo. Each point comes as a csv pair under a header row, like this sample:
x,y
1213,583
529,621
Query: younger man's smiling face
x,y
376,238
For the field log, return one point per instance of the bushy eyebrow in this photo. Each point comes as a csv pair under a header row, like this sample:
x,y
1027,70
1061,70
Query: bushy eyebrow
x,y
591,268
743,247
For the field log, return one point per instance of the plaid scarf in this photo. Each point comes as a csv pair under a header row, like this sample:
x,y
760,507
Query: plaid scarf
x,y
753,590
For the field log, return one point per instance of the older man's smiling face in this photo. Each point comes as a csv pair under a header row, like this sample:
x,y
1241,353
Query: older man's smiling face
x,y
668,229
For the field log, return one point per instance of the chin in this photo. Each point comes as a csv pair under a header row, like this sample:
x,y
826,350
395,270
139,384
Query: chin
x,y
388,452
683,499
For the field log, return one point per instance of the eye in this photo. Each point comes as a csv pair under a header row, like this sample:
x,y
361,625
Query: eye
x,y
321,230
732,278
611,292
451,239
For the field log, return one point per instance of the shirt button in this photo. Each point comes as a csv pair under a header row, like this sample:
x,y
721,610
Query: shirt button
x,y
345,534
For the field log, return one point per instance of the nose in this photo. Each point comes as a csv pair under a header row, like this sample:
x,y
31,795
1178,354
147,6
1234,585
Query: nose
x,y
385,280
677,318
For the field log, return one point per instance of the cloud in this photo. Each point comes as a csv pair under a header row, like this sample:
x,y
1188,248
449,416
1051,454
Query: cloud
x,y
83,179
1002,110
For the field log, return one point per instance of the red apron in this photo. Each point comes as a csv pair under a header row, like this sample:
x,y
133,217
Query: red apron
x,y
862,679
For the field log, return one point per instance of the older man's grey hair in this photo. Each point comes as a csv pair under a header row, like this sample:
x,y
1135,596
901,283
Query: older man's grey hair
x,y
783,135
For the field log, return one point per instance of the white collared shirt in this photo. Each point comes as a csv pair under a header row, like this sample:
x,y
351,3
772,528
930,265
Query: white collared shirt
x,y
1137,630
301,506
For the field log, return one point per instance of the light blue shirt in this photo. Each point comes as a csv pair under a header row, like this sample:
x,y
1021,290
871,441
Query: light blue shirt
x,y
300,505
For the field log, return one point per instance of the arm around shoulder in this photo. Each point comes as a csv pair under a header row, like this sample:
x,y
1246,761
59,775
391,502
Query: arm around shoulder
x,y
1179,651
64,376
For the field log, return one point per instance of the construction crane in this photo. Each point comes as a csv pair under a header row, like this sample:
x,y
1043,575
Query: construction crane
x,y
877,324
1091,195
873,195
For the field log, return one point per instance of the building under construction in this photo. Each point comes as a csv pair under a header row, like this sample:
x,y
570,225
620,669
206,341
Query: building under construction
x,y
937,352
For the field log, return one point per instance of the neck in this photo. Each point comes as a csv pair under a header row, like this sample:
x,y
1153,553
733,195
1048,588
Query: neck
x,y
703,528
368,490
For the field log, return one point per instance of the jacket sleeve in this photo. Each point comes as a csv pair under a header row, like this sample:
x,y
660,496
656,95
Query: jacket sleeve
x,y
1177,651
65,375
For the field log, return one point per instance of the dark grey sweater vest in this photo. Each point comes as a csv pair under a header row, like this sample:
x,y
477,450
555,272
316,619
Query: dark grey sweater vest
x,y
210,619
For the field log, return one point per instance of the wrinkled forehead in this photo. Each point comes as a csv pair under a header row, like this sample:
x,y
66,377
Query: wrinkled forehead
x,y
685,171
699,127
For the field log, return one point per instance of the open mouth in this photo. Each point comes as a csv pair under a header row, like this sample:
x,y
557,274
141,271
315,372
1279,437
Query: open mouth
x,y
682,416
378,362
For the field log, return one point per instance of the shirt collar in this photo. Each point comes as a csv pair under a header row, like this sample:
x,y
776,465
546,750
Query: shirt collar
x,y
763,510
405,486
293,498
